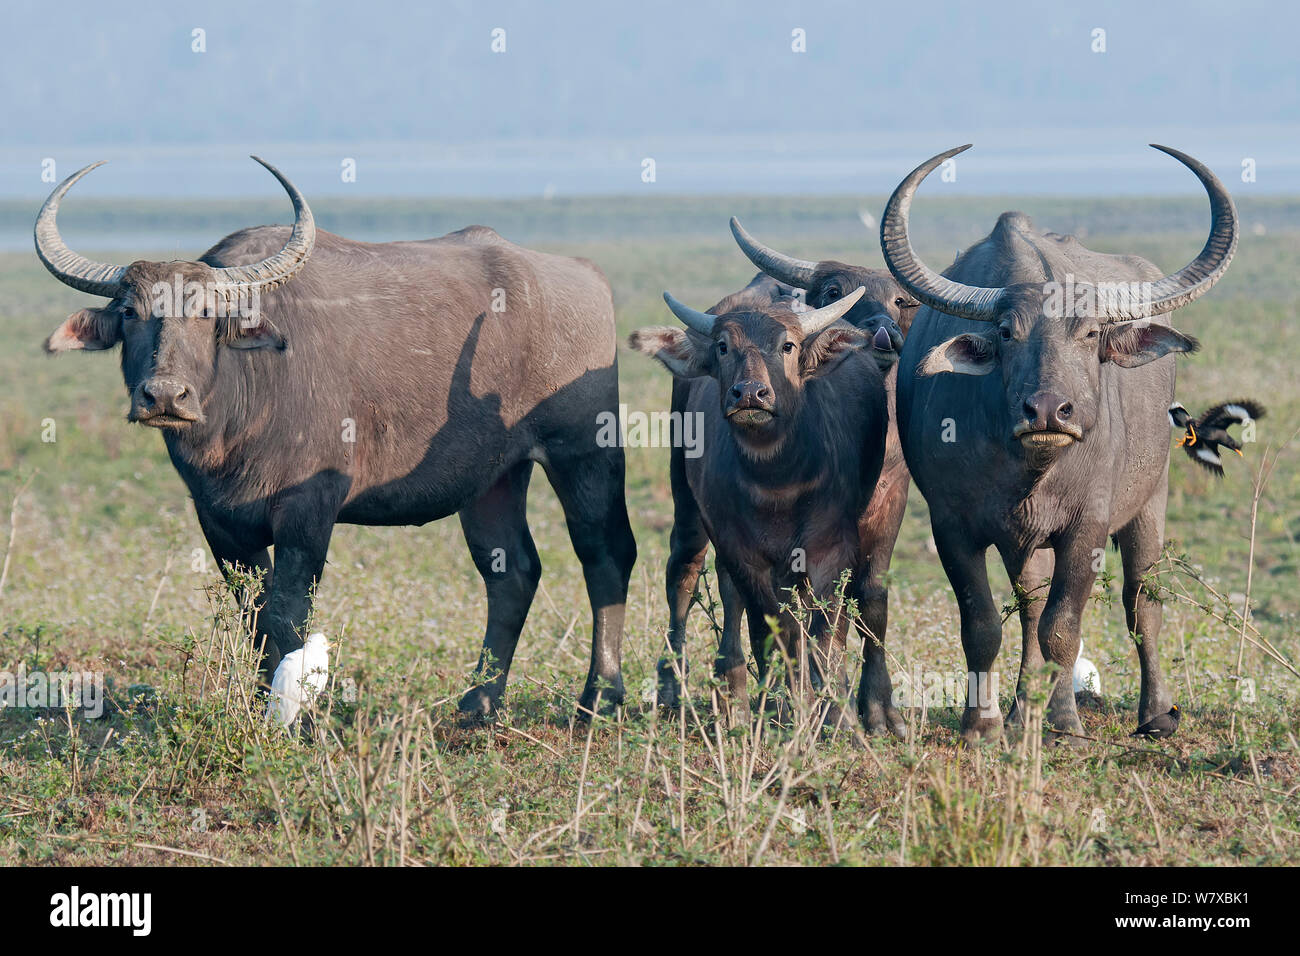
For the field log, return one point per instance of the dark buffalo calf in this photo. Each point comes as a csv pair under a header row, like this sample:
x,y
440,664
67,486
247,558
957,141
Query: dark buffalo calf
x,y
794,422
884,313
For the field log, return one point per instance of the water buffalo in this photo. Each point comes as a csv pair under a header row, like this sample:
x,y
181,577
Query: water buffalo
x,y
1032,397
688,542
386,384
794,421
884,312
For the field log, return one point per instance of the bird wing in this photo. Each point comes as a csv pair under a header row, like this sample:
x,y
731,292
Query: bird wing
x,y
1235,412
1206,457
316,663
286,689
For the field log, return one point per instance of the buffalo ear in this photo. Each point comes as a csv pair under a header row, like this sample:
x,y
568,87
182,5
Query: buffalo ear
x,y
1130,347
242,332
827,349
967,354
681,352
89,329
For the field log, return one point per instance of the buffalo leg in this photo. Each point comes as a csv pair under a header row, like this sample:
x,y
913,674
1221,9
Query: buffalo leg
x,y
301,531
729,665
827,633
875,691
1058,628
788,643
1030,578
1140,544
590,490
496,530
829,662
760,640
688,545
233,556
981,627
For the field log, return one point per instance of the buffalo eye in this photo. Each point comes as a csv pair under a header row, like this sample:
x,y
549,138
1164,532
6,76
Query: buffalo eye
x,y
787,348
832,293
1005,333
128,312
722,348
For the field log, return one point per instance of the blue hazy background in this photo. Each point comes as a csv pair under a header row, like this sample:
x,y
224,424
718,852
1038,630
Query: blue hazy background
x,y
585,91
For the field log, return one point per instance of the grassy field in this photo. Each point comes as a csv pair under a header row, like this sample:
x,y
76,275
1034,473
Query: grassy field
x,y
106,571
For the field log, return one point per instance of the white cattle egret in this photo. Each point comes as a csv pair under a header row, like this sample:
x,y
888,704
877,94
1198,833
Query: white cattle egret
x,y
1085,674
299,678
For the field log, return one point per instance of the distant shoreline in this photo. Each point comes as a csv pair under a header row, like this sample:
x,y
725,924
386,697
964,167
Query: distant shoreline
x,y
1043,161
186,227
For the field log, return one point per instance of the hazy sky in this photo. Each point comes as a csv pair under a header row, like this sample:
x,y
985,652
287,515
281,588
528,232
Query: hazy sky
x,y
585,91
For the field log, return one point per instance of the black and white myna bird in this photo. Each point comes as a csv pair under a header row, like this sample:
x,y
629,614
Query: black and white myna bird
x,y
1204,435
1162,725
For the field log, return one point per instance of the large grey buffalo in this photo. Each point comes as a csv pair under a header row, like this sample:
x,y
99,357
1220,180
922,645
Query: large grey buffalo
x,y
1032,397
794,419
386,384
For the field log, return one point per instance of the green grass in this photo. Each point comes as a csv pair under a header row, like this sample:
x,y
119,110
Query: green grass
x,y
108,572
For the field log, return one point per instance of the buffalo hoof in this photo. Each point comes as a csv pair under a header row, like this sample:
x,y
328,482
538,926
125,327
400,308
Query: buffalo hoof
x,y
477,707
738,714
976,728
732,709
882,721
600,697
736,680
836,718
669,692
1063,724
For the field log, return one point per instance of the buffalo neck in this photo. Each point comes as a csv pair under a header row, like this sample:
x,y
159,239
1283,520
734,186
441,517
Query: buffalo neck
x,y
795,460
238,408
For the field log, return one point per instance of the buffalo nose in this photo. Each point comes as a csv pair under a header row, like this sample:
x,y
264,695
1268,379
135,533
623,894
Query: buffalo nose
x,y
163,393
887,334
162,396
1048,410
750,392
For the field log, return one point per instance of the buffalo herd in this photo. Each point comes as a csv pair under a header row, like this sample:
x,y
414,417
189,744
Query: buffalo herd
x,y
301,379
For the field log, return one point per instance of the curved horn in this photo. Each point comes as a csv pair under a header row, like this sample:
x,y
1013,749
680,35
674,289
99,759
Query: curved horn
x,y
783,268
952,298
817,319
279,268
1195,279
701,322
97,278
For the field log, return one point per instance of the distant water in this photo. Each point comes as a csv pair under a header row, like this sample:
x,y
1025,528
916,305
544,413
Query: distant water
x,y
1023,162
